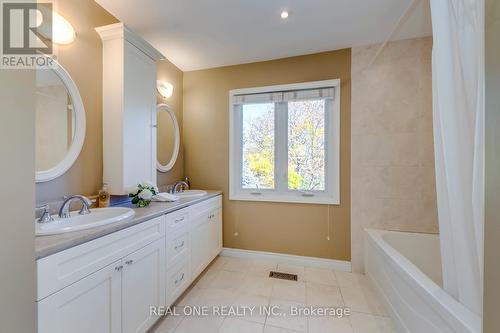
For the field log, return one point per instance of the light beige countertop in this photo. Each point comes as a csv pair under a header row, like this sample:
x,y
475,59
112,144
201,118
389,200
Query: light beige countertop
x,y
47,245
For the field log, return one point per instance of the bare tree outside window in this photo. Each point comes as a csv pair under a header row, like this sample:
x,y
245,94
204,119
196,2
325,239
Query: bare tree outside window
x,y
258,146
306,145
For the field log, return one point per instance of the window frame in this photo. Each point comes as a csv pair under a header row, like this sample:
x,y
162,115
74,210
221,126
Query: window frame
x,y
281,192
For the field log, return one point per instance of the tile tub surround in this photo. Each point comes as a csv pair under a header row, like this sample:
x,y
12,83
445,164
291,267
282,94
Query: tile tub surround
x,y
47,245
245,282
392,167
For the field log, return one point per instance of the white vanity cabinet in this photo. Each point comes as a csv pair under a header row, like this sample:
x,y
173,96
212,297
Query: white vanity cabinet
x,y
129,108
92,304
108,285
206,235
105,285
143,286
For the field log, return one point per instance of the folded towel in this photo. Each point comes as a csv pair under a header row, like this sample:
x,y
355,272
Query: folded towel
x,y
165,197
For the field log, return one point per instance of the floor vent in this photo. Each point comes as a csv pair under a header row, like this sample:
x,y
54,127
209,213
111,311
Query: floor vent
x,y
283,276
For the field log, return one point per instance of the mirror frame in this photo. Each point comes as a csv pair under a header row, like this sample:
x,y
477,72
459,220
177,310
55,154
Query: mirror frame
x,y
80,127
177,143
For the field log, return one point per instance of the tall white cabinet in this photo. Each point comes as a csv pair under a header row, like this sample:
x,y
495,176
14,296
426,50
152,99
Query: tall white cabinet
x,y
129,108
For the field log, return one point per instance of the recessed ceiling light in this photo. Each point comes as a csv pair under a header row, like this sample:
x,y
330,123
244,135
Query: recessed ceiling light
x,y
284,14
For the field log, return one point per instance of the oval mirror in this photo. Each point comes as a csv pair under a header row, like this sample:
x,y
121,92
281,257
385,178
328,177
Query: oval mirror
x,y
168,138
60,123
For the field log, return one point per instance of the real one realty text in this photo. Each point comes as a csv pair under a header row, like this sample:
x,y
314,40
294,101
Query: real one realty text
x,y
244,311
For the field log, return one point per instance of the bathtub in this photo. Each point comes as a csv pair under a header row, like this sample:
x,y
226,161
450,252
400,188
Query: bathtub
x,y
405,268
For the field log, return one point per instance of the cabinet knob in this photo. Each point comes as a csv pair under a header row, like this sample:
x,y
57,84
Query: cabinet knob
x,y
179,246
118,268
179,279
129,262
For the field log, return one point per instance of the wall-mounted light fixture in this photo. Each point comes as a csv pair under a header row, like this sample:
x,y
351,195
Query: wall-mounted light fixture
x,y
165,89
62,31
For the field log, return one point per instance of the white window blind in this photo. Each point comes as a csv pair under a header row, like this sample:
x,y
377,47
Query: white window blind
x,y
295,95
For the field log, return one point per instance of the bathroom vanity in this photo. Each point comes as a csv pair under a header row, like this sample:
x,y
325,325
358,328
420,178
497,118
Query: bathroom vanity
x,y
106,279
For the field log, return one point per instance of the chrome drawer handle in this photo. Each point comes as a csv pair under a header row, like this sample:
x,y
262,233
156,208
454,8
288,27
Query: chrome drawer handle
x,y
179,246
180,279
118,268
129,262
179,220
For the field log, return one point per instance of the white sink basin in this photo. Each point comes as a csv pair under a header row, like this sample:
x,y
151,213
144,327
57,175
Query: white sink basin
x,y
191,194
98,217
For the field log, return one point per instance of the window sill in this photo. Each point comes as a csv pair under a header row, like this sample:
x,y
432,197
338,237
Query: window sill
x,y
266,197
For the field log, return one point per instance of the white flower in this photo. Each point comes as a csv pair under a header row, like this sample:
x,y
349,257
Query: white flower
x,y
146,194
132,189
150,185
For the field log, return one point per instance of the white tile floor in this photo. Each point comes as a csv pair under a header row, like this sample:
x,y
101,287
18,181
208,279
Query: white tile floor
x,y
242,282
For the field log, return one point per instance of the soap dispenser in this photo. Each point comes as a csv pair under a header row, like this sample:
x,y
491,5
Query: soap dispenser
x,y
104,196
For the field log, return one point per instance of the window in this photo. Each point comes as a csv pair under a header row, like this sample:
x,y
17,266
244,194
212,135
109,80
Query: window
x,y
284,143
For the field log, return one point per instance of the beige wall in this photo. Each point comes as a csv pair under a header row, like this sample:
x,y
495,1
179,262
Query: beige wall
x,y
299,229
17,177
170,73
393,181
83,60
491,322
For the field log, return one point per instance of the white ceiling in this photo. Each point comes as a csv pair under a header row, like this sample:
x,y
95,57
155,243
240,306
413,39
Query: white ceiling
x,y
211,33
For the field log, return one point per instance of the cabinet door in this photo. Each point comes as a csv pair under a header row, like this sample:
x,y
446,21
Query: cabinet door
x,y
92,304
178,279
215,233
199,244
139,114
143,286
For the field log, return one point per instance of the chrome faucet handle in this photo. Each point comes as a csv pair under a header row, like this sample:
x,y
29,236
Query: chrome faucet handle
x,y
45,217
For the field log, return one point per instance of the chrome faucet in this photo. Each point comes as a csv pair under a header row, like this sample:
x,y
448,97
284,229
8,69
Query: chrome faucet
x,y
45,216
86,203
183,185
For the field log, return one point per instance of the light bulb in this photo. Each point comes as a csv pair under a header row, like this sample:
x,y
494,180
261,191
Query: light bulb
x,y
165,89
284,14
62,30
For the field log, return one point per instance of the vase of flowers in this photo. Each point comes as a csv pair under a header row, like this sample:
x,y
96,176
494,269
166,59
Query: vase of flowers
x,y
143,193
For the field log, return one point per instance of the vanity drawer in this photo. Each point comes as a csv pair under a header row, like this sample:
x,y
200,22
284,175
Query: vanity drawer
x,y
66,267
177,246
205,207
177,219
178,279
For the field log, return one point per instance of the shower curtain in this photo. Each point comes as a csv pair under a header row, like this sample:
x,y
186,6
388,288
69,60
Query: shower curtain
x,y
458,93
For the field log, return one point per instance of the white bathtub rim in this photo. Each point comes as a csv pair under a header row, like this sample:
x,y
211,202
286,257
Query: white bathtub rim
x,y
450,309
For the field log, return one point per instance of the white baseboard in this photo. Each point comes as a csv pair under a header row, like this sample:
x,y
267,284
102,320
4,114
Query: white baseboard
x,y
338,265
